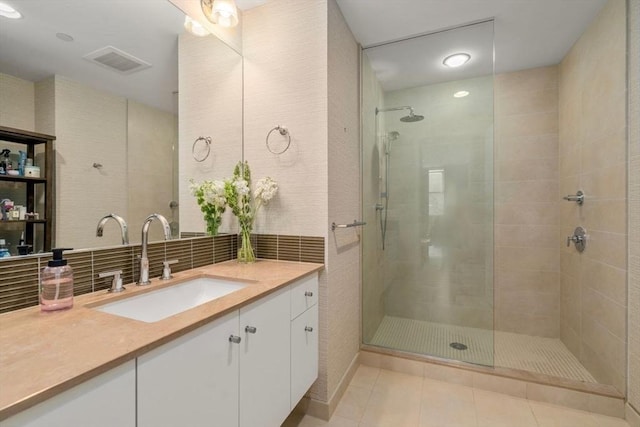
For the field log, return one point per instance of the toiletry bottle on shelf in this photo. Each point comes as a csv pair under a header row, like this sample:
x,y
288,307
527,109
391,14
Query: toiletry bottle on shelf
x,y
4,251
56,288
4,156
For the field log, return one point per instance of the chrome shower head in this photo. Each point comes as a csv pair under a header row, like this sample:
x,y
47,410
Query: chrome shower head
x,y
411,117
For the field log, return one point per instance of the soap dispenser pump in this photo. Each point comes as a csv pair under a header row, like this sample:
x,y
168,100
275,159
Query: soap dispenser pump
x,y
56,288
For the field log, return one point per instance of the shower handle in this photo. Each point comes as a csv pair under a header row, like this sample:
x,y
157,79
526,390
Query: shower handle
x,y
579,238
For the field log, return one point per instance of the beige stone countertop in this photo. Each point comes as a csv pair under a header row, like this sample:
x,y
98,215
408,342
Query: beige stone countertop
x,y
43,354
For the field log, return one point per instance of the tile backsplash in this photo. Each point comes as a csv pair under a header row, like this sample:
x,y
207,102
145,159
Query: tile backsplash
x,y
19,276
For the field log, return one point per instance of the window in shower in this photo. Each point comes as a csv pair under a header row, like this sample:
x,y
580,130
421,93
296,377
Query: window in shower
x,y
428,278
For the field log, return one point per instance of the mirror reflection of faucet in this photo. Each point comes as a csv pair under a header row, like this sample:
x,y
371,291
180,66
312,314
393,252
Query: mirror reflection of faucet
x,y
121,222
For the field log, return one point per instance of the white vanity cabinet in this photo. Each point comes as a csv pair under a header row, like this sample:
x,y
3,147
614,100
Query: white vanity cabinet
x,y
248,368
304,336
265,361
107,400
193,380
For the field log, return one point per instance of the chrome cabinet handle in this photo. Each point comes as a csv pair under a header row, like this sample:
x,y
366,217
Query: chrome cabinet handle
x,y
250,329
308,329
308,294
234,339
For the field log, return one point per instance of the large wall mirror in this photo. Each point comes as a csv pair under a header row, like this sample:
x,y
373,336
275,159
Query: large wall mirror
x,y
104,77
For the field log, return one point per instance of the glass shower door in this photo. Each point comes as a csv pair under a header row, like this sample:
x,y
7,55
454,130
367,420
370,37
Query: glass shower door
x,y
428,187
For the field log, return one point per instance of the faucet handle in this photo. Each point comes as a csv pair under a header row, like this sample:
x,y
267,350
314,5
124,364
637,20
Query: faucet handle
x,y
166,271
116,284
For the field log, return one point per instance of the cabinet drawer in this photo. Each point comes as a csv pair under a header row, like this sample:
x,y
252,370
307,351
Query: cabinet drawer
x,y
304,353
304,294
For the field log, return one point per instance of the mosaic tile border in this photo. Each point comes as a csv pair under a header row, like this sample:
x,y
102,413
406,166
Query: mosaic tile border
x,y
19,276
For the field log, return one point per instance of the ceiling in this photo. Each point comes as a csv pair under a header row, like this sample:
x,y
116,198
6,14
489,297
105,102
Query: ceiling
x,y
528,33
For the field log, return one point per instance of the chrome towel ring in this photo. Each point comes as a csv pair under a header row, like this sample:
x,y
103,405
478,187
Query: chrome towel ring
x,y
207,141
284,132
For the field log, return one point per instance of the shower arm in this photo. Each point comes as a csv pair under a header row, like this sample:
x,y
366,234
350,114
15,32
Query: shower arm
x,y
384,110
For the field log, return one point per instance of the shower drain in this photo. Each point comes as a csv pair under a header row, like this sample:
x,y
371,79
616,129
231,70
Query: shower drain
x,y
458,346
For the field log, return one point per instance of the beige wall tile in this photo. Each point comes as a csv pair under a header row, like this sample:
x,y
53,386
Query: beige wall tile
x,y
609,314
20,111
592,158
632,416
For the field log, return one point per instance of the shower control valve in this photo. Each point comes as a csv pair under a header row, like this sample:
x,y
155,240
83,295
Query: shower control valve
x,y
579,238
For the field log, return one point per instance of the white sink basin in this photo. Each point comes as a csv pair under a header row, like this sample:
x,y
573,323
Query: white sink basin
x,y
160,304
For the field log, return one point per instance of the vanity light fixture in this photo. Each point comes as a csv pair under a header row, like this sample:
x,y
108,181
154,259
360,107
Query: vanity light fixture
x,y
456,60
9,12
461,94
194,27
221,12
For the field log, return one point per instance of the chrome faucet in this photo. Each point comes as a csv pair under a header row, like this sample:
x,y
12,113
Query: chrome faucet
x,y
120,221
144,259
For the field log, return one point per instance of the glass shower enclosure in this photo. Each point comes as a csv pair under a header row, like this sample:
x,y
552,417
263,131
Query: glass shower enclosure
x,y
427,189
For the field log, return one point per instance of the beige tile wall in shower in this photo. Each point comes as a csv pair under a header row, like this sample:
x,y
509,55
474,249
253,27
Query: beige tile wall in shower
x,y
592,100
438,267
633,385
527,266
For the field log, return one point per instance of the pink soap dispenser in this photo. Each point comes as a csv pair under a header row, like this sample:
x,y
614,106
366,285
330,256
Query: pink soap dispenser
x,y
56,286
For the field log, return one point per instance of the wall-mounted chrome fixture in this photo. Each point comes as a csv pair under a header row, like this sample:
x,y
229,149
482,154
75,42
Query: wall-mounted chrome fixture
x,y
221,12
201,155
282,131
355,223
578,197
579,238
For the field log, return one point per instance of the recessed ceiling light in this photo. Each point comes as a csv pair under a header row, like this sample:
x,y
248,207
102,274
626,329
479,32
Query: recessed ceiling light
x,y
461,94
194,27
456,60
9,12
64,37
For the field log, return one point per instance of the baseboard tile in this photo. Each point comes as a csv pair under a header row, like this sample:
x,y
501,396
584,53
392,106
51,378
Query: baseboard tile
x,y
324,410
632,416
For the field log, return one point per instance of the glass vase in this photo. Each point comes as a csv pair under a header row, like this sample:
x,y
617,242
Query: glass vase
x,y
213,224
245,251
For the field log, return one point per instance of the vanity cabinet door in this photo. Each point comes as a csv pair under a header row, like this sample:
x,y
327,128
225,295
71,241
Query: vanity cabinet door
x,y
264,361
193,380
104,401
304,353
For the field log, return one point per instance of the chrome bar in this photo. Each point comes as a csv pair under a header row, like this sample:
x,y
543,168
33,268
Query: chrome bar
x,y
355,223
578,197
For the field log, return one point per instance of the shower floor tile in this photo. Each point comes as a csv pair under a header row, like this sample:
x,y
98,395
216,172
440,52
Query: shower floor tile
x,y
547,356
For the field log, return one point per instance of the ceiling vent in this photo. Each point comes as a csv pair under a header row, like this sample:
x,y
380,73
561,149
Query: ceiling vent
x,y
117,60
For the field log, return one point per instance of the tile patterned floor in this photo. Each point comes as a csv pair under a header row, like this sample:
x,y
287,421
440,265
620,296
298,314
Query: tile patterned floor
x,y
547,356
380,398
